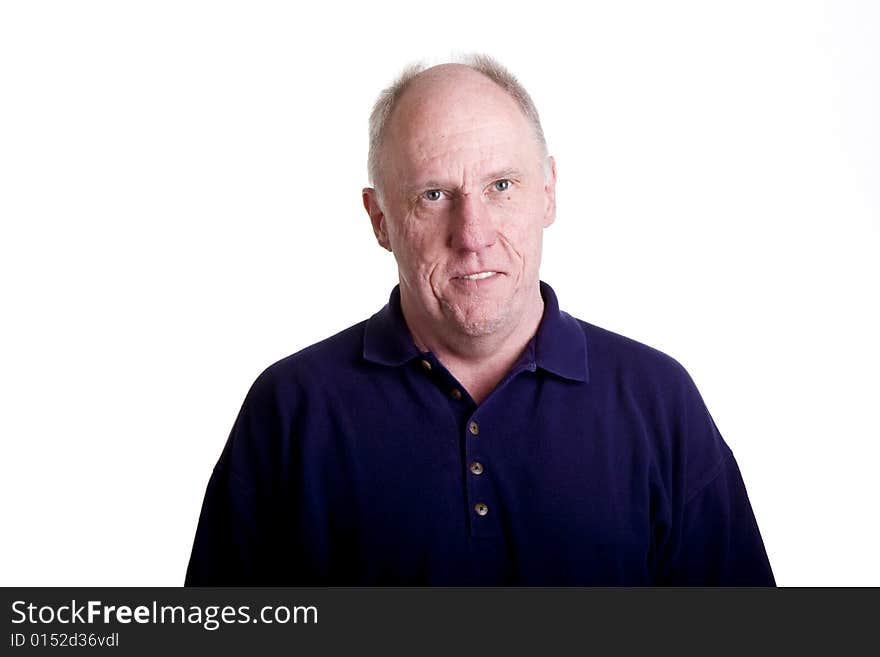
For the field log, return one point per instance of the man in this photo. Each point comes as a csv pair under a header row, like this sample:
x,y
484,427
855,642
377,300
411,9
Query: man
x,y
470,432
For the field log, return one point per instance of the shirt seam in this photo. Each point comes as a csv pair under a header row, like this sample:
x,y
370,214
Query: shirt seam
x,y
715,473
249,488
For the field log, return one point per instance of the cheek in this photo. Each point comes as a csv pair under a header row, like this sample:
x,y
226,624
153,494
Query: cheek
x,y
522,229
418,249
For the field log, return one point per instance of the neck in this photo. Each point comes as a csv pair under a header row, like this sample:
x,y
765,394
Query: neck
x,y
478,362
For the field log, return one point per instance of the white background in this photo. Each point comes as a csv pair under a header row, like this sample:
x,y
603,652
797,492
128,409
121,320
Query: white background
x,y
180,203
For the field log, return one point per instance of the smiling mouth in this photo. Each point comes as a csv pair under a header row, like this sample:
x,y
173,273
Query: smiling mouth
x,y
478,276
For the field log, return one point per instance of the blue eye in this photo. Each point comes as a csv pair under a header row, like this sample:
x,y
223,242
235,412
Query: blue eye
x,y
501,185
433,195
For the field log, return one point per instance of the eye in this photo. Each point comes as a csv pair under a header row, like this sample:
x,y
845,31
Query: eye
x,y
501,185
433,195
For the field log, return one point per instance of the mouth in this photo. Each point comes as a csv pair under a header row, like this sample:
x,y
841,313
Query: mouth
x,y
478,276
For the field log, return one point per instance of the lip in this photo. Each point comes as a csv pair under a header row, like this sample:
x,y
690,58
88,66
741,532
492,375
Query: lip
x,y
479,271
474,284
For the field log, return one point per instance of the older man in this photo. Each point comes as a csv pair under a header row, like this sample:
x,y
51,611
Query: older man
x,y
471,432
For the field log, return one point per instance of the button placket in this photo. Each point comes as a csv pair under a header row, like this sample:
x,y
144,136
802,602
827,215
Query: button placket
x,y
478,488
442,379
484,521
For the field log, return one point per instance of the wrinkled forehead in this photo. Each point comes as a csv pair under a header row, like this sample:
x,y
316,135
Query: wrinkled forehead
x,y
455,121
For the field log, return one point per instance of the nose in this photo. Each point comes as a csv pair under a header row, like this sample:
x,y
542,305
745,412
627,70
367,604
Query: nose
x,y
471,228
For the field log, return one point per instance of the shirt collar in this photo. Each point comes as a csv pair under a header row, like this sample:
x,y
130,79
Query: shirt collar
x,y
559,346
387,339
560,343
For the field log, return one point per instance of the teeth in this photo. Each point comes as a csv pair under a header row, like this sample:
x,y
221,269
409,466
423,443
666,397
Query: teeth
x,y
476,277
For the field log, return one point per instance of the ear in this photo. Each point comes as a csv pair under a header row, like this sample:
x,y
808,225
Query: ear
x,y
550,191
377,217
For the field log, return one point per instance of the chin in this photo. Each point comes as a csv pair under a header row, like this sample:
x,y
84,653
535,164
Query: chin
x,y
479,324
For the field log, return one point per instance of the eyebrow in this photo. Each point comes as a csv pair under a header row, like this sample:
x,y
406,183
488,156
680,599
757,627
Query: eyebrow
x,y
435,183
424,186
501,174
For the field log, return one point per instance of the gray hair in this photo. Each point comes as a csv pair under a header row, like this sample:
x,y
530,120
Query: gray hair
x,y
483,64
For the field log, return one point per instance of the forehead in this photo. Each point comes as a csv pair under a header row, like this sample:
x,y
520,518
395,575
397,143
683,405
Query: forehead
x,y
456,118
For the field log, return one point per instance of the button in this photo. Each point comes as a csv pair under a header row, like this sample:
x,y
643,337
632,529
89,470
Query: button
x,y
456,394
481,508
477,468
474,428
426,365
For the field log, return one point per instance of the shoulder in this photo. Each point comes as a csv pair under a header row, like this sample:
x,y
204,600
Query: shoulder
x,y
645,380
615,357
330,359
641,381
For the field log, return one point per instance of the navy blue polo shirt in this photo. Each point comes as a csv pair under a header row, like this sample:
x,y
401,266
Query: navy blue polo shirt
x,y
363,461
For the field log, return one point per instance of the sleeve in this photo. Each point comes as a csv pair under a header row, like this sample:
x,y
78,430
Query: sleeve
x,y
236,539
706,533
719,542
224,545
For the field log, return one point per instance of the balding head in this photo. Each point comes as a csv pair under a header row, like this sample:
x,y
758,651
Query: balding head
x,y
434,83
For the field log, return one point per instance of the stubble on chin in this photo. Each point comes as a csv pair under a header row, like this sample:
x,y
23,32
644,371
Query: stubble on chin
x,y
476,322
